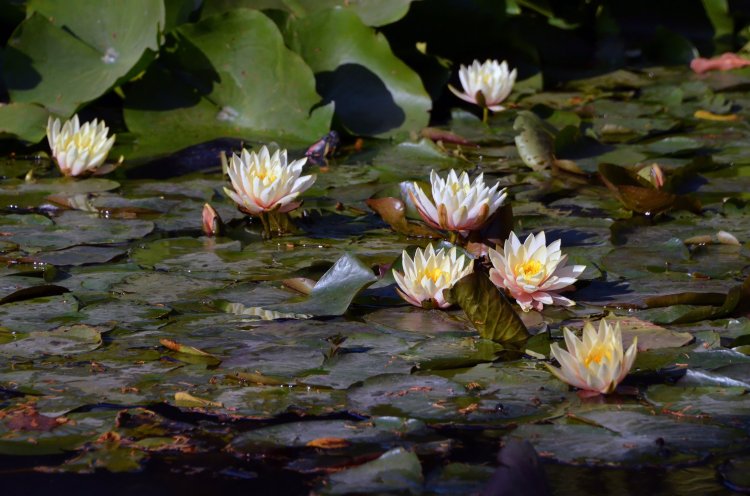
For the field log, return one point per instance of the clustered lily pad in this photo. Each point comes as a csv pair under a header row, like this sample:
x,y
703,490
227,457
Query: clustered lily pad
x,y
341,325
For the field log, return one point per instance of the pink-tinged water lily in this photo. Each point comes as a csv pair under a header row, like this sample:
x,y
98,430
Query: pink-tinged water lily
x,y
486,85
429,273
533,273
80,150
597,362
459,205
263,182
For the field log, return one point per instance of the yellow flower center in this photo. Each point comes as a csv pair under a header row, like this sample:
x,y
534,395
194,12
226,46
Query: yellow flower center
x,y
529,268
434,274
83,142
598,353
458,186
266,175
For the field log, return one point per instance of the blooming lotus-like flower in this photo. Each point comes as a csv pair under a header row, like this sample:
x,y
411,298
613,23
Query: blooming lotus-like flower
x,y
80,149
596,363
425,277
532,272
459,204
263,182
486,85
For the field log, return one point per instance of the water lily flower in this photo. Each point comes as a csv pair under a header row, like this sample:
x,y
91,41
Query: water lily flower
x,y
486,85
533,273
459,205
80,150
596,363
263,182
429,273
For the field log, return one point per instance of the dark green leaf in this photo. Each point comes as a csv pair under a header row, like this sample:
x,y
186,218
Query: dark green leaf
x,y
489,311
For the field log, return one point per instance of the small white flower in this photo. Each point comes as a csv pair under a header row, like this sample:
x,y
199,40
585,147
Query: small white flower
x,y
596,363
80,150
486,85
263,182
533,272
459,205
429,273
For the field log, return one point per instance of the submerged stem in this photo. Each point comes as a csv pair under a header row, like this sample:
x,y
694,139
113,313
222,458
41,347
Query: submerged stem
x,y
263,216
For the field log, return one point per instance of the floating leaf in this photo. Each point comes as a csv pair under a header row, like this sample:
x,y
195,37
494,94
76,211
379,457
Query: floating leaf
x,y
64,340
634,195
182,348
535,143
396,470
334,292
261,313
183,398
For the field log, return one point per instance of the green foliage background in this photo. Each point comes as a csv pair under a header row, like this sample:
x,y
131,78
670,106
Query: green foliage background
x,y
167,74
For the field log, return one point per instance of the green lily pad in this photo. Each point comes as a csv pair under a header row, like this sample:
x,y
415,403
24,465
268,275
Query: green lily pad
x,y
344,52
65,340
271,101
72,59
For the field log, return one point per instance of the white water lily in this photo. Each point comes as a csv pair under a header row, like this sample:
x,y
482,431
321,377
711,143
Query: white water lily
x,y
486,85
429,273
597,362
80,149
263,182
459,205
533,273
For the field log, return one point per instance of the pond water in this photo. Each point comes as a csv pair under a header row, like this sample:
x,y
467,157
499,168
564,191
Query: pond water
x,y
123,360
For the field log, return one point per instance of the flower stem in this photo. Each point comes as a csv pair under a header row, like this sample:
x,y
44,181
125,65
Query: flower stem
x,y
266,225
485,114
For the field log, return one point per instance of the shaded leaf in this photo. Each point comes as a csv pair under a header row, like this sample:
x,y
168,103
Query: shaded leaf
x,y
489,311
271,101
23,121
344,53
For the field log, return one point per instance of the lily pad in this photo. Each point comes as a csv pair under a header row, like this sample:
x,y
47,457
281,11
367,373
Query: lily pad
x,y
61,59
332,42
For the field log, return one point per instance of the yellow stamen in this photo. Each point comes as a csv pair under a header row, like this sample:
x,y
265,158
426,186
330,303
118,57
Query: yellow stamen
x,y
597,354
529,268
434,274
459,186
265,175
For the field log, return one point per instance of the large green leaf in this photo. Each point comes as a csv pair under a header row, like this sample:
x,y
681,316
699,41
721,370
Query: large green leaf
x,y
489,311
24,121
372,12
376,94
61,58
232,77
